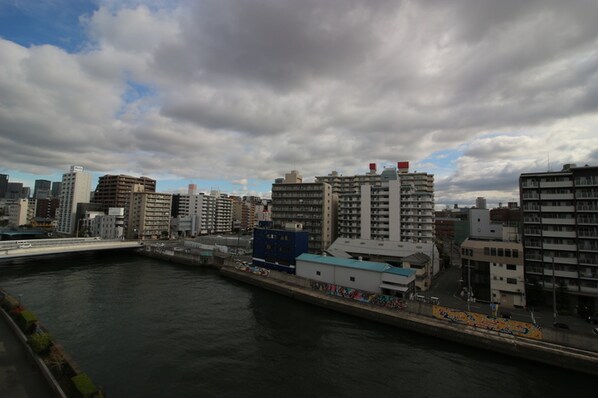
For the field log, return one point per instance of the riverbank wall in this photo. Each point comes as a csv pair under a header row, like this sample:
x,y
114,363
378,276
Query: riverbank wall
x,y
63,375
419,318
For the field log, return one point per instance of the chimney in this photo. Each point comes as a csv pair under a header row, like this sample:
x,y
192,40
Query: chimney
x,y
372,168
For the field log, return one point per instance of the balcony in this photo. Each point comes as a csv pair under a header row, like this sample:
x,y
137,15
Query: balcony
x,y
559,221
551,246
567,209
559,260
556,184
591,290
558,234
557,196
588,247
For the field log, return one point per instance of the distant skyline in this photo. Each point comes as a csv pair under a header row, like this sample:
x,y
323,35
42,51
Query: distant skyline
x,y
231,94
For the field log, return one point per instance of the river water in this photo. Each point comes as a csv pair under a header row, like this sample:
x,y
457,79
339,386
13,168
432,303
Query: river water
x,y
146,328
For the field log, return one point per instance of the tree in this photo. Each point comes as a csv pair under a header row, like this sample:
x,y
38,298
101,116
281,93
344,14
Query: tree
x,y
562,297
535,294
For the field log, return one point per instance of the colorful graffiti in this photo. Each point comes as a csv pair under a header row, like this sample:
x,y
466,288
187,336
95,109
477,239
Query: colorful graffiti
x,y
380,300
254,270
508,326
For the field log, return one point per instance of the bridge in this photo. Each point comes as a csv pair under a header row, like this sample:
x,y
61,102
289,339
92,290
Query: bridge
x,y
40,247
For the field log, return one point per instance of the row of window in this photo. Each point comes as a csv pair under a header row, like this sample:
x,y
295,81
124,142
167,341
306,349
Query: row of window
x,y
493,251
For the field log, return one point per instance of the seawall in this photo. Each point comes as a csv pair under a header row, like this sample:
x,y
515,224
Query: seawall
x,y
418,318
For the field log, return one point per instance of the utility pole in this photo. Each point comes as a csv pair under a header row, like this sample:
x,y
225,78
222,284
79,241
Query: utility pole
x,y
554,313
469,285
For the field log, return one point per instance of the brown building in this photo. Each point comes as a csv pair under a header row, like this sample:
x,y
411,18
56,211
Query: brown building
x,y
115,190
46,208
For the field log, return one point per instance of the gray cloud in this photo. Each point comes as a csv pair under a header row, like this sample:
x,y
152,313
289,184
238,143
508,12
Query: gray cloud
x,y
241,89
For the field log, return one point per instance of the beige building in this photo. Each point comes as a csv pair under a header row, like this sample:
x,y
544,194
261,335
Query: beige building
x,y
494,271
311,204
149,214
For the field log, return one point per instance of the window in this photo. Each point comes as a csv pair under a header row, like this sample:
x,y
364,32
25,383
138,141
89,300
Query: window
x,y
486,251
318,273
352,278
511,266
493,251
515,253
512,281
501,252
507,252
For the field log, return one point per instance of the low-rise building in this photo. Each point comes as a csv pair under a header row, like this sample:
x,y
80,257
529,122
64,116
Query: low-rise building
x,y
277,248
398,254
368,276
493,271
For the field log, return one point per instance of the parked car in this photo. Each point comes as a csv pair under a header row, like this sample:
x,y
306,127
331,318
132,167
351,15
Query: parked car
x,y
593,319
595,331
561,325
505,315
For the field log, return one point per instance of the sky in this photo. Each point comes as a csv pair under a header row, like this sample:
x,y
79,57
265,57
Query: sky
x,y
231,94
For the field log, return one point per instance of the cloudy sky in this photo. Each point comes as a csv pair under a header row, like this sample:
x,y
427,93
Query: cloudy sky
x,y
231,94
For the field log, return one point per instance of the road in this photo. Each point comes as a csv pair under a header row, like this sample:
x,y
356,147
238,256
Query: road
x,y
446,287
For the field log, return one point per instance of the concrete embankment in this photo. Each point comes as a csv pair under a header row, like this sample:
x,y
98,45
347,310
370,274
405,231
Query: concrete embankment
x,y
557,348
416,319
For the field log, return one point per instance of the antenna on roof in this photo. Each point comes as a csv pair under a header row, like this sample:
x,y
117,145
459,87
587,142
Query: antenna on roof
x,y
548,161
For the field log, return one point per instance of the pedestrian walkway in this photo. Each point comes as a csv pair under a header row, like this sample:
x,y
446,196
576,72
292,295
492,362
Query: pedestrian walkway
x,y
19,376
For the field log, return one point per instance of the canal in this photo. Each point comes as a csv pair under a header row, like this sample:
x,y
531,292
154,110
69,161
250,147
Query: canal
x,y
146,328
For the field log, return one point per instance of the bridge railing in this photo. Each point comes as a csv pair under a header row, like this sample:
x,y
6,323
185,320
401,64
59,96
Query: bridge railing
x,y
24,243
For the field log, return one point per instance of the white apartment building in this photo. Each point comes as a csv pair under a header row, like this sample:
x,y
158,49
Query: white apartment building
x,y
76,187
111,225
393,205
223,218
560,231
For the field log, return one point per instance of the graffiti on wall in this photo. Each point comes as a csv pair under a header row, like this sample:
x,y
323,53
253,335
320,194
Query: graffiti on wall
x,y
508,326
380,300
254,270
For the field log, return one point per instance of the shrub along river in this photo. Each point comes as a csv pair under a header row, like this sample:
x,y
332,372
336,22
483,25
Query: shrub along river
x,y
142,327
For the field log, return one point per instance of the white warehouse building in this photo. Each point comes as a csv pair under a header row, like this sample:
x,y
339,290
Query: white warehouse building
x,y
368,276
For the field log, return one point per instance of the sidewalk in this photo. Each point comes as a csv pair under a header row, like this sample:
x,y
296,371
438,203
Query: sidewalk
x,y
446,287
19,376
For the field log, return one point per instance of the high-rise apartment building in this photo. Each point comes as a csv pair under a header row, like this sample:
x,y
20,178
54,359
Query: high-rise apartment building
x,y
243,213
3,185
148,214
115,190
311,204
42,189
223,217
76,186
393,205
480,202
560,232
56,188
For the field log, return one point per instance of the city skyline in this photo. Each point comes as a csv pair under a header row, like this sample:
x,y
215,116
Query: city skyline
x,y
233,94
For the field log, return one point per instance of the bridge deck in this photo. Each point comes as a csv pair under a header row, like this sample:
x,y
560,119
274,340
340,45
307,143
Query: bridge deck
x,y
40,247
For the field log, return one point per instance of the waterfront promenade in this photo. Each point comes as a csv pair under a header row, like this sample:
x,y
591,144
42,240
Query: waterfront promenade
x,y
19,376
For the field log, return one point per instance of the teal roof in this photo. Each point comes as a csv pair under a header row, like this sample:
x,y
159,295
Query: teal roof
x,y
356,264
343,262
400,271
